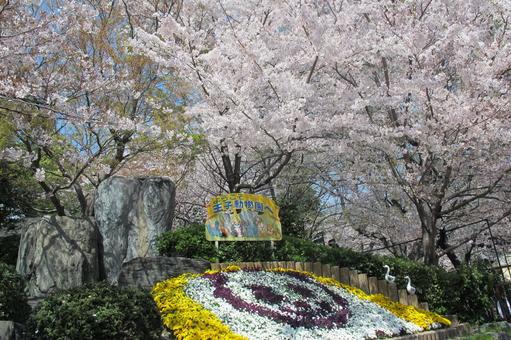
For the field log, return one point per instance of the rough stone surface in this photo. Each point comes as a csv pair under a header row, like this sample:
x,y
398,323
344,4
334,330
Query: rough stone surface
x,y
7,330
130,214
57,252
145,272
10,330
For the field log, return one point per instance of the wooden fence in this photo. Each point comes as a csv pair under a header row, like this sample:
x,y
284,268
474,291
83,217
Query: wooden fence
x,y
370,285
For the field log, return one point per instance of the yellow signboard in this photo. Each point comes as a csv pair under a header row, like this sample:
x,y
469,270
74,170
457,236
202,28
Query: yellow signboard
x,y
243,217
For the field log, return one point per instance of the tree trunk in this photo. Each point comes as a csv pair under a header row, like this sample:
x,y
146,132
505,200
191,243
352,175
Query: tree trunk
x,y
429,246
86,205
52,196
429,233
443,244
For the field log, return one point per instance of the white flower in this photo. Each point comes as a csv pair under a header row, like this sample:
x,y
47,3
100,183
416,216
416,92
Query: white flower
x,y
11,154
154,131
40,174
364,320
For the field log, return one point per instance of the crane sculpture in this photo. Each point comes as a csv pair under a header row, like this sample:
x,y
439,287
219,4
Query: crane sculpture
x,y
389,278
409,288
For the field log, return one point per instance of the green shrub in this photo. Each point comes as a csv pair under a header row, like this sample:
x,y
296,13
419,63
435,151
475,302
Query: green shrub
x,y
98,311
13,300
188,242
466,292
471,291
9,246
191,242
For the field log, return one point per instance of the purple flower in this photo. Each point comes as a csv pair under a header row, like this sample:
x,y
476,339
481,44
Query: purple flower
x,y
303,291
266,294
302,315
380,333
301,304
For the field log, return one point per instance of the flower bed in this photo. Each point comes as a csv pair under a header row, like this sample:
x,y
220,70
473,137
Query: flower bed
x,y
281,304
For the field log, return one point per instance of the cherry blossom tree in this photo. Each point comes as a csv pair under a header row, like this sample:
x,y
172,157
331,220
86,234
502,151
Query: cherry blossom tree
x,y
413,95
79,103
437,116
401,107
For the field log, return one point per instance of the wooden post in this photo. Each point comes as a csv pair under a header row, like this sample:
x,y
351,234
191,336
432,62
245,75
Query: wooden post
x,y
373,285
317,268
345,275
326,270
308,266
413,301
424,305
354,279
383,287
335,273
454,320
393,291
299,266
290,265
363,283
403,296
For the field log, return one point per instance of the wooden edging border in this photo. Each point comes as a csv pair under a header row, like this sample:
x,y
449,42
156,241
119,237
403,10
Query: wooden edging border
x,y
440,334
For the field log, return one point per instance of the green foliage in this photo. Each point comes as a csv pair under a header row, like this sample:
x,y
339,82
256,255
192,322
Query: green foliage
x,y
18,192
9,246
13,301
98,311
6,133
191,242
22,196
491,331
188,242
471,292
466,292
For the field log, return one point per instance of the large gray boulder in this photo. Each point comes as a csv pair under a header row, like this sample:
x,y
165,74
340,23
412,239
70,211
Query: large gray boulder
x,y
145,272
10,330
130,214
57,252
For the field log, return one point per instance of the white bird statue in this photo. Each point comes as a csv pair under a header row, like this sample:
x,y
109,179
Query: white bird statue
x,y
388,277
409,288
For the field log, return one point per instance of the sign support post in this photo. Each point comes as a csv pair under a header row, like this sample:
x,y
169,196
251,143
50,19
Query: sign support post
x,y
216,246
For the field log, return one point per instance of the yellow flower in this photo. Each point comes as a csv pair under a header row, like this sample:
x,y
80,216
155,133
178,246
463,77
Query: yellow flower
x,y
185,317
190,320
232,268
